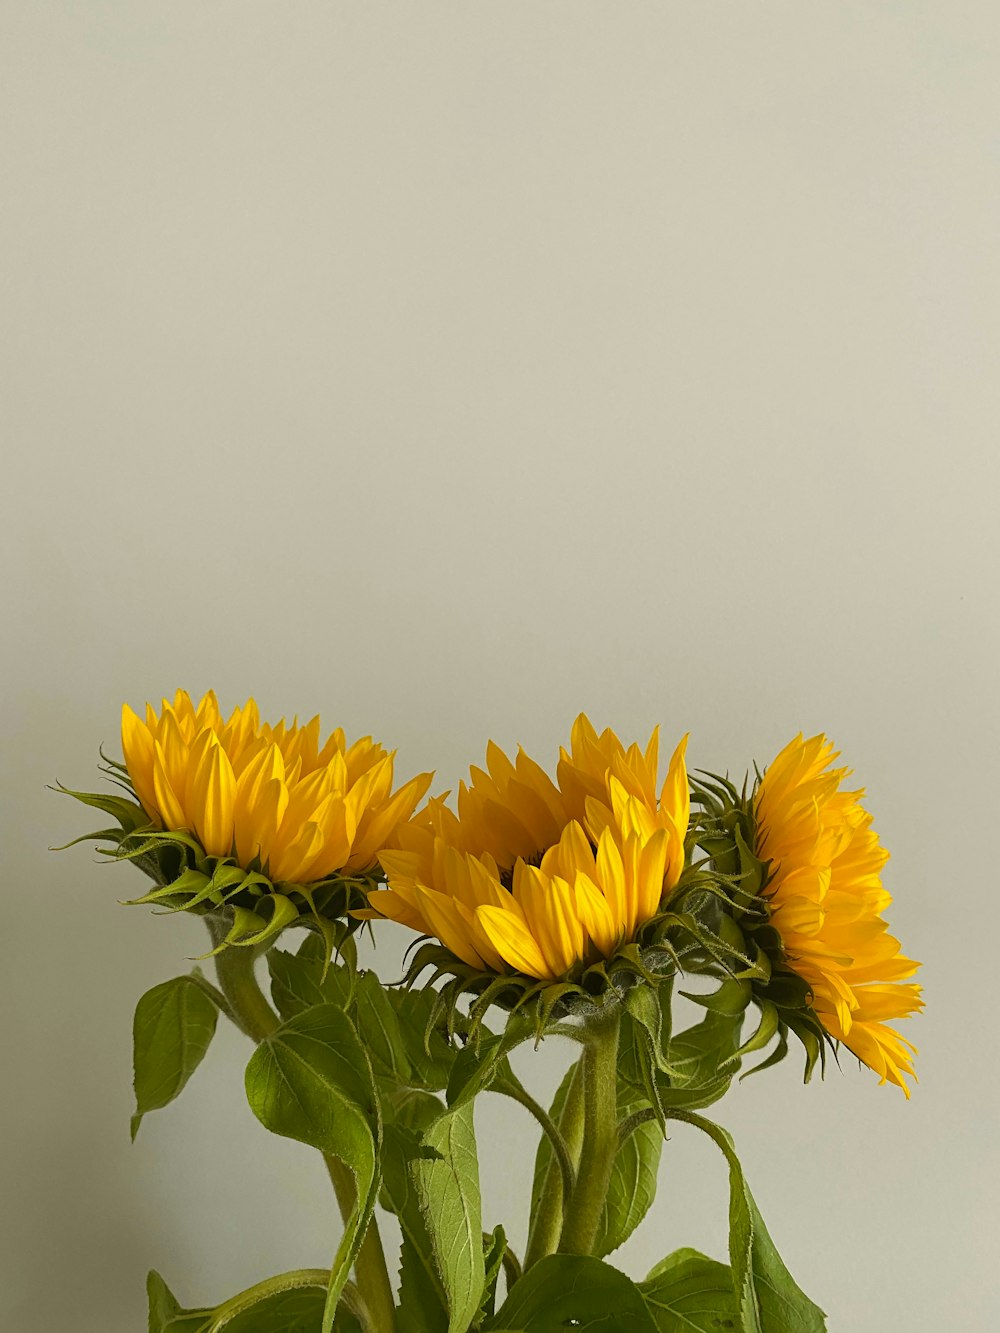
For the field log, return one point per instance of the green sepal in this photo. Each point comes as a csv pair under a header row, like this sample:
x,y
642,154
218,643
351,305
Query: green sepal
x,y
728,833
129,814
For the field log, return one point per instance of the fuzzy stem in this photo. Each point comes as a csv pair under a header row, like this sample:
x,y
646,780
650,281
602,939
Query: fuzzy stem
x,y
518,1093
599,1080
547,1220
255,1017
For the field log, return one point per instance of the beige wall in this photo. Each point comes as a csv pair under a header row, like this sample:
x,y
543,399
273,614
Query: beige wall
x,y
449,368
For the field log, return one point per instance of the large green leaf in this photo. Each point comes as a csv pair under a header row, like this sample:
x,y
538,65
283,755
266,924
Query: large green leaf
x,y
690,1293
311,1081
172,1029
308,977
422,1302
632,1187
768,1300
448,1192
567,1291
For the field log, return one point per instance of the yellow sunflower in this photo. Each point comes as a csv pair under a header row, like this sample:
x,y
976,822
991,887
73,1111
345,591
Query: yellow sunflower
x,y
270,796
534,877
825,898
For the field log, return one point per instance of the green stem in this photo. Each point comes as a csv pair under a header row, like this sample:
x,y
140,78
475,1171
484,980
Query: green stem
x,y
518,1093
250,1010
628,1126
599,1079
547,1219
253,1015
370,1266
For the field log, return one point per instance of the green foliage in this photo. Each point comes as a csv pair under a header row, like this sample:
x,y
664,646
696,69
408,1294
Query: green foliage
x,y
422,1300
306,978
448,1193
566,1291
172,1029
485,1059
289,1303
632,1187
401,1029
689,1069
766,1296
311,1081
689,1293
494,1251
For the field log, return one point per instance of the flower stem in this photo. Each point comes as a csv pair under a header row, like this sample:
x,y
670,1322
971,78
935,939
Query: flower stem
x,y
547,1218
517,1092
598,1075
250,1010
254,1016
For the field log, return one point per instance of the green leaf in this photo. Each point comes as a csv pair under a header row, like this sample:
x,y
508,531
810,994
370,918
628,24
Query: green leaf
x,y
642,1003
399,1029
172,1029
767,1297
494,1249
568,1291
448,1190
704,1058
289,1303
311,1081
632,1187
422,1307
306,978
298,1311
481,1062
689,1293
166,1314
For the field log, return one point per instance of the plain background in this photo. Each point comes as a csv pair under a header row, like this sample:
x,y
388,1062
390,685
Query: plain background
x,y
448,368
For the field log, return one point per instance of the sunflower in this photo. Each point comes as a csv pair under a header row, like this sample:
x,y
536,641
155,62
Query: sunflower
x,y
256,827
825,898
271,798
535,878
513,808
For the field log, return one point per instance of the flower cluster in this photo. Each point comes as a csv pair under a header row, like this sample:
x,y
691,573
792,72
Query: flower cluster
x,y
590,881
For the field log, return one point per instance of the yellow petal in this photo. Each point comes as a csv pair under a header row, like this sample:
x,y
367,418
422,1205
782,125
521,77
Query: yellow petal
x,y
167,800
514,942
137,748
212,794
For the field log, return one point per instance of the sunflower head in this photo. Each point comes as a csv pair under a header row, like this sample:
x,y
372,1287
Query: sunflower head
x,y
266,824
805,864
564,891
